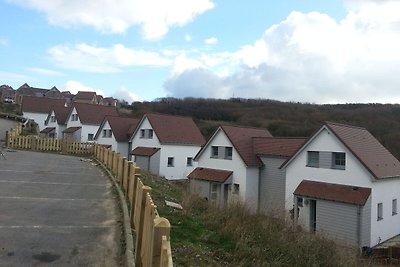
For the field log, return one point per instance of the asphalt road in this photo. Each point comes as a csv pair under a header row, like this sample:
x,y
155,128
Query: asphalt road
x,y
56,210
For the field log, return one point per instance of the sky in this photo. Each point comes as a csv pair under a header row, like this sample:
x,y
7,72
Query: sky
x,y
315,51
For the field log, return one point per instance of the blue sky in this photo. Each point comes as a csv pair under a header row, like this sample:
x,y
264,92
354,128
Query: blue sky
x,y
299,50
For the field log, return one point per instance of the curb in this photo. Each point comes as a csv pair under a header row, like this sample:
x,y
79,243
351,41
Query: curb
x,y
129,249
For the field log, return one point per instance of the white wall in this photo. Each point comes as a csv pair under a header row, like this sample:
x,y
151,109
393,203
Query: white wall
x,y
383,192
107,140
297,171
59,127
86,128
236,165
39,118
252,188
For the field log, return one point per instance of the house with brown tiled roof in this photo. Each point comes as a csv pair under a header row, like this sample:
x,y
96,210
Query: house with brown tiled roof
x,y
56,122
116,132
166,145
84,120
343,183
86,97
7,94
38,108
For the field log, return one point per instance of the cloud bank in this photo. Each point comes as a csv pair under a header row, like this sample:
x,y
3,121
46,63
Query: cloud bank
x,y
155,17
307,57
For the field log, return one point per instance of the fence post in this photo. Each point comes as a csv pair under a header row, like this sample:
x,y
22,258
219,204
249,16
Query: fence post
x,y
125,174
141,205
166,255
33,142
161,228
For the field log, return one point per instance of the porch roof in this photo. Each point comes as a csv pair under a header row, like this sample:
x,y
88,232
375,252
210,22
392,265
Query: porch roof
x,y
71,129
48,130
145,151
208,174
334,192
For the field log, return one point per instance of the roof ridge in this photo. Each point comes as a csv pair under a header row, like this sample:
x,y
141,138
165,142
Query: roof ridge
x,y
344,125
240,126
169,115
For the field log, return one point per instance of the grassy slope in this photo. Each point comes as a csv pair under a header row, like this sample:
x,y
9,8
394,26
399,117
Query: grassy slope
x,y
202,235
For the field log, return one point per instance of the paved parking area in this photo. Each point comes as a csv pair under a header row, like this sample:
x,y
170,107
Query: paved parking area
x,y
56,210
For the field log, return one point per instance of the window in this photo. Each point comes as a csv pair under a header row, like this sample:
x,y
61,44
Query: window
x,y
394,207
146,133
142,132
299,202
380,212
150,131
338,160
214,152
228,152
189,162
74,117
90,137
313,159
235,189
170,162
53,119
107,133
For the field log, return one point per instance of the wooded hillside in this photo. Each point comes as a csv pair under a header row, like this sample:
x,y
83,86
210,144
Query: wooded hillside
x,y
281,118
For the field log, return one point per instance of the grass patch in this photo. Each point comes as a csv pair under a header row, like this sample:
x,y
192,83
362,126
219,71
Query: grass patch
x,y
202,235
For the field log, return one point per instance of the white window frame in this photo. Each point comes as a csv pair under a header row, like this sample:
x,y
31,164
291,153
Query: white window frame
x,y
379,211
228,149
309,157
335,160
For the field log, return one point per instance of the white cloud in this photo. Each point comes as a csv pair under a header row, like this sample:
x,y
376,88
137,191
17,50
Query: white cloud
x,y
84,57
127,95
155,17
188,38
46,72
307,57
75,86
211,41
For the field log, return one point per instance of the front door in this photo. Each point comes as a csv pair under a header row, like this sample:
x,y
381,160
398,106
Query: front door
x,y
313,215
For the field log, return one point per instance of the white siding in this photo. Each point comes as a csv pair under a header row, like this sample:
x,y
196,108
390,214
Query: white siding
x,y
108,140
272,185
142,162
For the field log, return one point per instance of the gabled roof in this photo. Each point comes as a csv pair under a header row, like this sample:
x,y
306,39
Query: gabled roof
x,y
364,146
174,129
40,104
61,114
367,149
48,130
208,174
277,146
85,95
145,151
121,127
241,139
93,114
334,192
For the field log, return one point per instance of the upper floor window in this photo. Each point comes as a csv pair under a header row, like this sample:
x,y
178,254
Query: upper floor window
x,y
146,133
338,160
74,117
53,119
228,152
379,211
107,133
313,159
189,161
394,207
214,152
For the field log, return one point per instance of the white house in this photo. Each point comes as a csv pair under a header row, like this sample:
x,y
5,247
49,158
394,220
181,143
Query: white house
x,y
115,132
56,122
166,145
84,120
38,108
228,169
342,182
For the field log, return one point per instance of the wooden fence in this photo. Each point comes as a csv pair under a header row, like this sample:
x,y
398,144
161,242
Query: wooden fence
x,y
152,231
152,246
33,142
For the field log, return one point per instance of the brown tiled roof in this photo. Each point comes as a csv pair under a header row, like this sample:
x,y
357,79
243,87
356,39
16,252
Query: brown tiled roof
x,y
121,127
145,151
85,95
207,174
93,114
335,192
71,129
40,104
372,154
48,130
241,139
175,129
61,114
277,146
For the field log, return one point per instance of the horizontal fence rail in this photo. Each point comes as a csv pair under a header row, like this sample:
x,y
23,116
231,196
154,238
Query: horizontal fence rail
x,y
153,247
